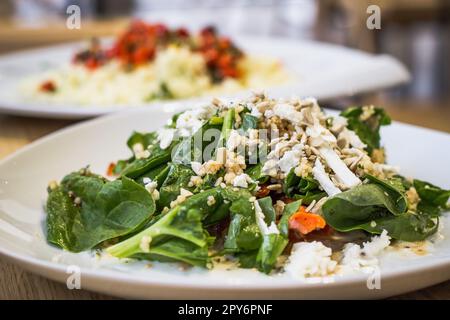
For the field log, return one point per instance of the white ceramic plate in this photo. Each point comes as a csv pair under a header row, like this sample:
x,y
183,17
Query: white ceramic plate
x,y
323,71
24,177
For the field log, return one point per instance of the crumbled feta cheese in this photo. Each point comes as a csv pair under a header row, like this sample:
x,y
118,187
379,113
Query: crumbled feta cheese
x,y
356,257
210,201
165,137
291,158
197,168
268,114
310,259
144,245
149,184
242,180
185,193
288,112
235,141
270,167
138,147
377,244
319,135
324,180
139,152
259,215
343,173
339,123
195,181
254,111
155,195
352,138
211,167
188,123
151,187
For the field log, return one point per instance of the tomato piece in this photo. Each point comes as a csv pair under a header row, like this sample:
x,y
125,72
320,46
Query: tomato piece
x,y
306,222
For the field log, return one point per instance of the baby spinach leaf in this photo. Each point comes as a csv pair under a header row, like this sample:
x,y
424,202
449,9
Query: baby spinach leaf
x,y
407,226
310,196
433,200
376,206
175,250
193,148
108,209
243,232
134,168
359,205
290,183
288,211
305,188
368,130
272,245
146,139
158,174
249,122
267,209
394,188
177,178
255,173
182,222
271,248
139,167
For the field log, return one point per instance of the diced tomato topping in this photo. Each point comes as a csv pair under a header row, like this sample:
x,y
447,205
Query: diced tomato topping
x,y
48,86
262,192
110,170
139,43
306,222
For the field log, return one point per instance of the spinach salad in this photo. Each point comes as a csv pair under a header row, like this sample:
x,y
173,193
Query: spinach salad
x,y
261,183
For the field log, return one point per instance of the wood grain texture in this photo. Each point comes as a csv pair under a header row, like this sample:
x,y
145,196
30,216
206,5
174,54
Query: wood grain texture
x,y
15,283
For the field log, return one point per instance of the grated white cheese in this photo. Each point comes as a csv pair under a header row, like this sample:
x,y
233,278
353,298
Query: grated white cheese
x,y
211,201
319,135
151,187
291,158
259,215
144,245
140,152
310,259
254,111
165,137
357,258
339,123
324,180
197,168
343,173
288,112
242,180
235,140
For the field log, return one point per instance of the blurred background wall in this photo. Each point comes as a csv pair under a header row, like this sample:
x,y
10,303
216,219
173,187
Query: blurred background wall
x,y
417,32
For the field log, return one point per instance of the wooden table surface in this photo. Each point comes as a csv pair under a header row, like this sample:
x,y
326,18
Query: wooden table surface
x,y
16,283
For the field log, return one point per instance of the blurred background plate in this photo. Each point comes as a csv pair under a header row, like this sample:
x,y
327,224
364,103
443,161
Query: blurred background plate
x,y
320,70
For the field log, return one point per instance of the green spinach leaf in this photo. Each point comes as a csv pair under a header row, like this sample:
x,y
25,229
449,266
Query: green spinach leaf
x,y
368,130
106,210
